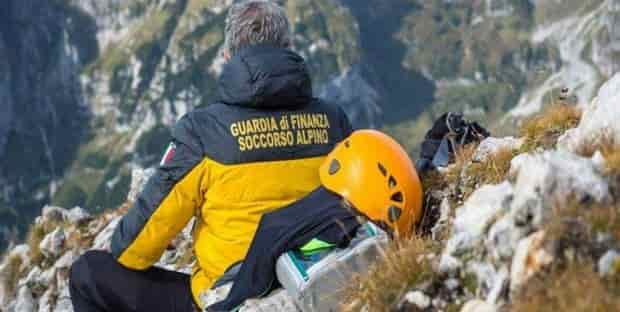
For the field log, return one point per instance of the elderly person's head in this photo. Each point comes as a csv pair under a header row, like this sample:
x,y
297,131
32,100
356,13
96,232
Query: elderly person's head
x,y
256,22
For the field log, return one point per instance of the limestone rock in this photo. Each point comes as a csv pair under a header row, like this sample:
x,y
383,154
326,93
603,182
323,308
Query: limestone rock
x,y
214,295
418,299
103,239
139,177
478,213
551,177
53,243
66,260
600,117
530,257
53,213
608,263
46,301
63,303
278,301
503,237
493,145
77,215
478,306
25,302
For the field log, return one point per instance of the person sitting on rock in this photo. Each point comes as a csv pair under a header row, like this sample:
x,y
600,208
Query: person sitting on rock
x,y
258,149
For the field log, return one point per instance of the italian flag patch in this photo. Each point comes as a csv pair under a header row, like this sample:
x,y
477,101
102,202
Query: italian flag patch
x,y
168,154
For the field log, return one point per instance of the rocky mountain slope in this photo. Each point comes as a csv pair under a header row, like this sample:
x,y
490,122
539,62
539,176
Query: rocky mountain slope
x,y
89,88
516,224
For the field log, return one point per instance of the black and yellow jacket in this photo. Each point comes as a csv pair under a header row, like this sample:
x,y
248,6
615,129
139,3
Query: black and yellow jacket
x,y
256,150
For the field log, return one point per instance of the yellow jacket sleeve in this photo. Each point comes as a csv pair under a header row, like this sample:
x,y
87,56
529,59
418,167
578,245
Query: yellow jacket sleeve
x,y
169,200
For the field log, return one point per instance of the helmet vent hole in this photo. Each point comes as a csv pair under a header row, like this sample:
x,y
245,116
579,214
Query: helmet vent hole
x,y
392,182
394,213
334,166
347,144
382,169
397,197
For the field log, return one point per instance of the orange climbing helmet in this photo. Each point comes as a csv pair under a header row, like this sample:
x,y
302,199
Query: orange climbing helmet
x,y
373,172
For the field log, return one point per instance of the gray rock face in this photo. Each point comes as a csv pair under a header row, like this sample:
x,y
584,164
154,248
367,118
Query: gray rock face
x,y
41,105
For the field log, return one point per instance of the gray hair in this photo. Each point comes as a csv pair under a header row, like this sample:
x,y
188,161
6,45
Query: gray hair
x,y
254,22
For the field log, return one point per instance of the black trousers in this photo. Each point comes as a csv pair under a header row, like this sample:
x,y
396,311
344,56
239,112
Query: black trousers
x,y
98,283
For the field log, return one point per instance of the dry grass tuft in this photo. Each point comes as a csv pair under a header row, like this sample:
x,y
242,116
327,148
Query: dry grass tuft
x,y
544,129
462,159
35,236
574,288
403,266
494,169
469,176
12,273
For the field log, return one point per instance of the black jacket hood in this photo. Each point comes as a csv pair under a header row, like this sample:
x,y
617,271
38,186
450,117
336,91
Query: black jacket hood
x,y
265,77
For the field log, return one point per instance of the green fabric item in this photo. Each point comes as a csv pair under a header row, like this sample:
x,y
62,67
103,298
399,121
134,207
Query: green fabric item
x,y
314,246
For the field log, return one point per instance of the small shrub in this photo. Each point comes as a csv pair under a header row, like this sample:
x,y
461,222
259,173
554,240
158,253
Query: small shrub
x,y
403,266
544,129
